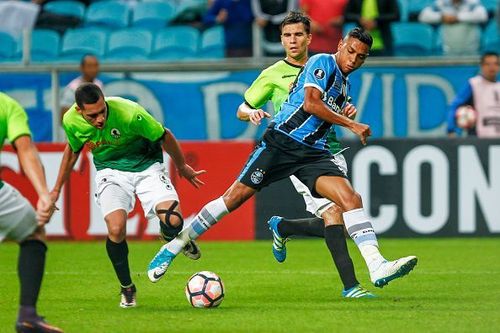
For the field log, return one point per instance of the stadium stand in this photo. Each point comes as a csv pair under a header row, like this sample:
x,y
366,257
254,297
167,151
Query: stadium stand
x,y
180,42
45,45
153,15
129,44
77,42
108,14
413,39
212,43
70,8
490,40
415,7
8,49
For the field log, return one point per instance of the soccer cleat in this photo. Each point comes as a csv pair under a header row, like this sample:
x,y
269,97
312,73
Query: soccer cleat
x,y
390,270
279,243
159,265
37,325
128,297
192,250
357,292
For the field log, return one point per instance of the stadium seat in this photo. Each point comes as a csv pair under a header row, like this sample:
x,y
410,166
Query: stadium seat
x,y
404,10
189,10
40,123
153,15
212,43
416,6
71,8
491,6
490,39
129,44
112,14
413,39
78,42
8,46
179,42
45,45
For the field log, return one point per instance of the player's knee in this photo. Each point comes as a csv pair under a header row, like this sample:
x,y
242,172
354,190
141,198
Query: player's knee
x,y
352,201
116,232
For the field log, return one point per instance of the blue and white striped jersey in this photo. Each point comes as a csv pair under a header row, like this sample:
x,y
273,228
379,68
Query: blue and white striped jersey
x,y
321,72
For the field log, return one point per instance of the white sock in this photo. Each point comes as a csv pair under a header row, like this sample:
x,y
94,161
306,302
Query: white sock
x,y
204,220
361,231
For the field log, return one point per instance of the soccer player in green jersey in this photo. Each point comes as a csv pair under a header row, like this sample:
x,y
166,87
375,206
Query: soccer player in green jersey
x,y
126,143
18,220
274,84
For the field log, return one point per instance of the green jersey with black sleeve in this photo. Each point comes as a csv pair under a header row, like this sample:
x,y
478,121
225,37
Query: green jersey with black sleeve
x,y
273,84
129,141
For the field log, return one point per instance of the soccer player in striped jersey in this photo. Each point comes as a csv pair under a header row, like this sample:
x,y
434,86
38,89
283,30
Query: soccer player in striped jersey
x,y
295,144
273,84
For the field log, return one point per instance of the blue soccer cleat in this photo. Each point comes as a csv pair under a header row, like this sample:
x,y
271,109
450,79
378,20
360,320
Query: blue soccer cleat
x,y
357,292
390,270
279,243
160,263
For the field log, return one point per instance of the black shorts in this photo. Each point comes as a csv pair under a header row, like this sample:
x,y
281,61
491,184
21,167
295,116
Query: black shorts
x,y
278,156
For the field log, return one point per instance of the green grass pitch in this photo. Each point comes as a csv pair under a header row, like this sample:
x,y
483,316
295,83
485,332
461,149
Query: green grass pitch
x,y
454,288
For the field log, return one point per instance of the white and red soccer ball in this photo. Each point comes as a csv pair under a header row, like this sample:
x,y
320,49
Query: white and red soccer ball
x,y
466,117
204,290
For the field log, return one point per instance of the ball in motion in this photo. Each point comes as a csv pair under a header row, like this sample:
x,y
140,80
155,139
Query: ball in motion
x,y
466,117
204,290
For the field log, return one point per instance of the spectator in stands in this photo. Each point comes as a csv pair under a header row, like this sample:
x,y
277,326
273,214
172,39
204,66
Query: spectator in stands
x,y
236,17
326,23
89,69
482,92
376,17
268,15
460,21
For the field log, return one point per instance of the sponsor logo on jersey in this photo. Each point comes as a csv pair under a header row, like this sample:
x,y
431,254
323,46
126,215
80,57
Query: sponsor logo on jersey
x,y
319,73
166,181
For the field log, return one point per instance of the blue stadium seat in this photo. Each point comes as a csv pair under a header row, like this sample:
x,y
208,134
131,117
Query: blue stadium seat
x,y
153,15
490,39
8,46
413,39
112,14
45,45
129,44
78,42
212,43
73,8
179,42
416,6
40,123
404,10
490,5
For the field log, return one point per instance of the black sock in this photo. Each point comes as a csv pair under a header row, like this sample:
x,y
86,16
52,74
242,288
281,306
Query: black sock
x,y
30,268
336,242
313,226
118,254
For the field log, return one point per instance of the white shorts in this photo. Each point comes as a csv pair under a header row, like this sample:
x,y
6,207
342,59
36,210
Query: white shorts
x,y
318,206
117,189
17,216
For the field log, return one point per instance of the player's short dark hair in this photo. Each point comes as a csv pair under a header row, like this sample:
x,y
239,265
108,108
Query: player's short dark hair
x,y
84,58
362,35
87,93
488,54
296,17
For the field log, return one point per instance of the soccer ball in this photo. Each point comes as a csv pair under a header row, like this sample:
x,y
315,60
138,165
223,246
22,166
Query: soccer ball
x,y
204,290
466,117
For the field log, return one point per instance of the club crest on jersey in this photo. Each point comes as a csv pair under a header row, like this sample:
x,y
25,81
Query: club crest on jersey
x,y
319,73
115,133
257,176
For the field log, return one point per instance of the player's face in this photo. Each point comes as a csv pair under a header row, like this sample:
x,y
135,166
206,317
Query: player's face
x,y
95,114
90,68
490,67
295,40
351,54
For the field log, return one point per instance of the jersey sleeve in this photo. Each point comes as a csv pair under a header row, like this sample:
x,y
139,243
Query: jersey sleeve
x,y
317,72
260,92
145,125
17,123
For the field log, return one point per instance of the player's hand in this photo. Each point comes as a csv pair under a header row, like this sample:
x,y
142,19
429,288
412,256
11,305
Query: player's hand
x,y
45,207
261,22
256,116
361,130
449,19
222,16
349,111
191,175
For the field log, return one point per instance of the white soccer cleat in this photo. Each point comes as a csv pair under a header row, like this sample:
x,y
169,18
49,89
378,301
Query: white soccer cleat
x,y
192,250
128,298
390,270
160,263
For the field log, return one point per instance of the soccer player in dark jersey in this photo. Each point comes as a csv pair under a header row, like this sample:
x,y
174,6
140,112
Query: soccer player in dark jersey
x,y
295,144
18,220
273,84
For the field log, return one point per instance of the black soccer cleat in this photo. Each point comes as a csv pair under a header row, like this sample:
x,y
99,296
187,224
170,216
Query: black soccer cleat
x,y
38,325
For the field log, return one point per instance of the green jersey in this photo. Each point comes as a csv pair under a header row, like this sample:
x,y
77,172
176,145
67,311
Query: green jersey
x,y
13,121
129,141
274,84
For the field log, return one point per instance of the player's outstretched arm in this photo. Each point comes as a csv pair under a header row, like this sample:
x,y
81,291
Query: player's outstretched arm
x,y
68,162
171,146
33,168
313,104
246,113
